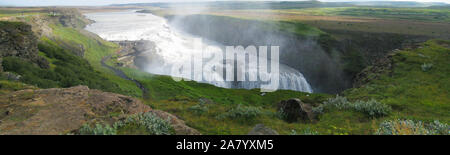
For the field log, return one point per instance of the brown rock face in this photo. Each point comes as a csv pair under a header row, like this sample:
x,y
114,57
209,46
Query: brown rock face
x,y
61,111
295,109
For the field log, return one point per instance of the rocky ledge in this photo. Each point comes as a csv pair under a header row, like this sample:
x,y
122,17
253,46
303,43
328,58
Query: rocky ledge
x,y
65,110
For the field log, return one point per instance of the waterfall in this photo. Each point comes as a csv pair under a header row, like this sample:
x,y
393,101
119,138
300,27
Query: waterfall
x,y
170,46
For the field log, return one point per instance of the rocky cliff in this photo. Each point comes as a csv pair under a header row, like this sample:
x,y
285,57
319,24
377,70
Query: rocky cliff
x,y
17,39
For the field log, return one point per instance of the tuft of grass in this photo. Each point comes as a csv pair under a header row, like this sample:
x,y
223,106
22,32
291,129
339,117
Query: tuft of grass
x,y
199,109
426,67
371,108
137,124
242,113
13,86
98,129
307,131
152,124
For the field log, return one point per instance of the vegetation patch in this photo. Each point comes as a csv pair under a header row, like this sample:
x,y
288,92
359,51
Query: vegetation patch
x,y
69,70
141,124
371,108
98,129
199,109
12,86
410,127
153,124
411,92
242,113
95,49
307,131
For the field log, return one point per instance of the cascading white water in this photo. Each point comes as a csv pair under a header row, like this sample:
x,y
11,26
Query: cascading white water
x,y
171,47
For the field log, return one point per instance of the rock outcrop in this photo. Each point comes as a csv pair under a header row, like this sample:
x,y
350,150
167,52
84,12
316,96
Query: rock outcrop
x,y
295,110
17,39
260,129
383,65
64,110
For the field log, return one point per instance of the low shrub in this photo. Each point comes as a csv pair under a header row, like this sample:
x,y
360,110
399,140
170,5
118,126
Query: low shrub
x,y
371,108
245,113
410,127
318,110
281,114
338,102
198,109
426,66
98,129
153,124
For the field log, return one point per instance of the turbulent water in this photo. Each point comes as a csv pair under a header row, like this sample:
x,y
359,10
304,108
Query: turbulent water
x,y
171,47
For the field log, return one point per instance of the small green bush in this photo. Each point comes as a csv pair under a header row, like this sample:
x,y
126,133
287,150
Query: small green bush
x,y
198,109
97,130
338,102
152,123
244,113
410,127
371,108
281,114
318,110
426,66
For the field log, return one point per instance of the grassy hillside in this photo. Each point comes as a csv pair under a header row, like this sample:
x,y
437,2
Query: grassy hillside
x,y
95,50
417,87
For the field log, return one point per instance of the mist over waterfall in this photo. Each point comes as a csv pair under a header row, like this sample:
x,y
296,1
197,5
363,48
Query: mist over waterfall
x,y
171,47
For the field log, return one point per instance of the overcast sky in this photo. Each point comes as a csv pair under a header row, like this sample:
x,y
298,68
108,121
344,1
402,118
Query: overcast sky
x,y
107,2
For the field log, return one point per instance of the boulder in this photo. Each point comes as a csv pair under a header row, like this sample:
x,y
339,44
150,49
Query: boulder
x,y
260,129
294,110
